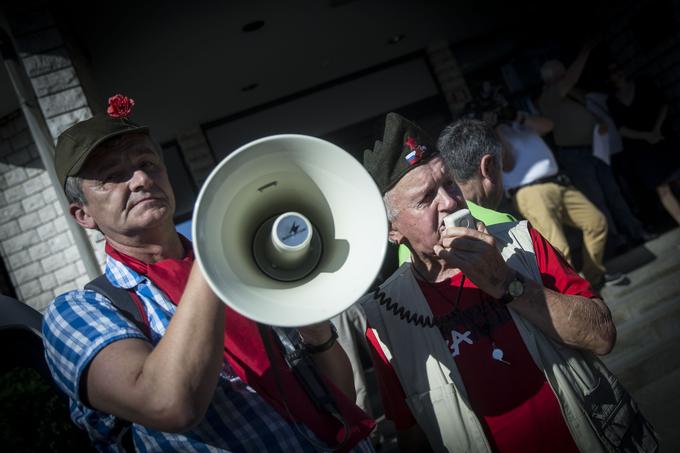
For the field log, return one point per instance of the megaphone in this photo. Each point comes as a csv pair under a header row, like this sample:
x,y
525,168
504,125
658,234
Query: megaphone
x,y
289,230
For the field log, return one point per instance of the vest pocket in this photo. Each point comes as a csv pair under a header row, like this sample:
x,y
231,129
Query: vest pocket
x,y
612,412
447,421
616,416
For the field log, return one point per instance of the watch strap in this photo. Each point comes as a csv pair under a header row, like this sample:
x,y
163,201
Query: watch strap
x,y
508,297
325,346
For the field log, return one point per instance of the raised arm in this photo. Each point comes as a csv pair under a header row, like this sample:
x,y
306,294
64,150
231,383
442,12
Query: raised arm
x,y
575,70
573,320
168,387
332,362
652,137
663,113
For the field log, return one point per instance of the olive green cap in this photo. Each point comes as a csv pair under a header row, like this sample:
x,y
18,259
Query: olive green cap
x,y
76,143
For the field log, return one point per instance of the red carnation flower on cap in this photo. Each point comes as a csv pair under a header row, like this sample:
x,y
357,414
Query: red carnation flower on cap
x,y
120,106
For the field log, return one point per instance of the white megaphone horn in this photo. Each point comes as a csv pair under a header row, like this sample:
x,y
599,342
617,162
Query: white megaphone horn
x,y
289,230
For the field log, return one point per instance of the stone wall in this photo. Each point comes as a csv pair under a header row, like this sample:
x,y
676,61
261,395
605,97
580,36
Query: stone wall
x,y
197,154
36,243
36,247
449,76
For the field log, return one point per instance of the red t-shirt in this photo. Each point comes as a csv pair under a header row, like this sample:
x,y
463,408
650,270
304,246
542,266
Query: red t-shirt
x,y
514,402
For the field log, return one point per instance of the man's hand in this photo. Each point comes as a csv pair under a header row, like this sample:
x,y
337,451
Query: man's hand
x,y
653,137
474,252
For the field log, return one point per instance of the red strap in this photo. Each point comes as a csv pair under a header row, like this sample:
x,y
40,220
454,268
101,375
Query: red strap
x,y
142,312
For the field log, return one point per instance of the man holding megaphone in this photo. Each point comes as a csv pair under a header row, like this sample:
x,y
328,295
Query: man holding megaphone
x,y
178,371
486,341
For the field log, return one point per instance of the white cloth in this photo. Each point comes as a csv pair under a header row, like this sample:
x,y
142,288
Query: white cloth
x,y
596,103
533,157
601,148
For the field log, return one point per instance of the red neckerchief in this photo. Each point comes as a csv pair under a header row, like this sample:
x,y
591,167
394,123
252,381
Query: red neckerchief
x,y
247,356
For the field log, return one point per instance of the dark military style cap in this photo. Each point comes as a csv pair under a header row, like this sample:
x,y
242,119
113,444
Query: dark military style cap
x,y
404,147
76,143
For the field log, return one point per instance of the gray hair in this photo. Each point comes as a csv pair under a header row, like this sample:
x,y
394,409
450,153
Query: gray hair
x,y
391,210
462,145
73,188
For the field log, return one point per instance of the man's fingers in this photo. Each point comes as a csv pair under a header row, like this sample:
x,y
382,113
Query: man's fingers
x,y
468,239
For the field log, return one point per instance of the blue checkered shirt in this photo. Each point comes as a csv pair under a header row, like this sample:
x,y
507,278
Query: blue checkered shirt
x,y
79,324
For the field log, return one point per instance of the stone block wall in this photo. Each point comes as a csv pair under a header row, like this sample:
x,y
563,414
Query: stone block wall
x,y
449,76
36,244
38,251
197,154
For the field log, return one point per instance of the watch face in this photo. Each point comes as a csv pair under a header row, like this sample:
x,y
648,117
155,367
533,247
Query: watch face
x,y
516,288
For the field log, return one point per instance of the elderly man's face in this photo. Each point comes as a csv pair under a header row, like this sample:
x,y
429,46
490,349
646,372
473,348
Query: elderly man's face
x,y
126,188
421,199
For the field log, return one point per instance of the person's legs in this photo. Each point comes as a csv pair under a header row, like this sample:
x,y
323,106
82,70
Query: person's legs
x,y
581,167
583,214
625,221
541,205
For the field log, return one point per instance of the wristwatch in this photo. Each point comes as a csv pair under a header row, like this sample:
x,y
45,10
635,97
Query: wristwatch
x,y
514,290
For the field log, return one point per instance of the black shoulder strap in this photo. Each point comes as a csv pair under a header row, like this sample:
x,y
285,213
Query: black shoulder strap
x,y
121,299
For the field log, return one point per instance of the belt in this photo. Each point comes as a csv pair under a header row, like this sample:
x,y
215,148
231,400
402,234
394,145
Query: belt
x,y
559,178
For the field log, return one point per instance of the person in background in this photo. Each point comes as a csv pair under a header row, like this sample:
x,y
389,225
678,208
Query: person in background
x,y
574,128
541,193
650,152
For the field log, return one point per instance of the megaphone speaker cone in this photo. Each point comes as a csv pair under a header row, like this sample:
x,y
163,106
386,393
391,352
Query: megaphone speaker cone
x,y
286,247
251,213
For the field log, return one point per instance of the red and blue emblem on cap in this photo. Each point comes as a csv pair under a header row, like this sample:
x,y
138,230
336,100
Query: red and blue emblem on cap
x,y
417,151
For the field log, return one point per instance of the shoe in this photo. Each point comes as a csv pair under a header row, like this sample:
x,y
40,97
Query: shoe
x,y
611,279
624,247
649,236
614,278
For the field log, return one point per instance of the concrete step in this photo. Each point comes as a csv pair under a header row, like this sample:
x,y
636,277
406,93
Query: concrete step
x,y
658,324
644,364
638,257
646,273
667,295
660,245
645,290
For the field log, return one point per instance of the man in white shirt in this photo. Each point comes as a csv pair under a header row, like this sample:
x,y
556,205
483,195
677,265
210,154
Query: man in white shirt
x,y
546,197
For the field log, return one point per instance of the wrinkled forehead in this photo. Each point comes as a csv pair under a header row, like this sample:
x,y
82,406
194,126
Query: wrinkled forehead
x,y
420,178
